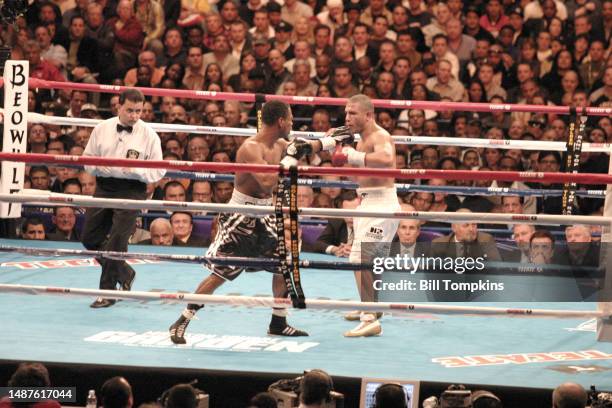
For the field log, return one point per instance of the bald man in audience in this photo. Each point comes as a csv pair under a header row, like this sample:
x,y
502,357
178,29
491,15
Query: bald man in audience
x,y
569,395
161,233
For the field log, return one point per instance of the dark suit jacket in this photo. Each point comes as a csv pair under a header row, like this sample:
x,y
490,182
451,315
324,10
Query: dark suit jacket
x,y
195,240
175,242
87,54
335,233
60,236
372,53
484,245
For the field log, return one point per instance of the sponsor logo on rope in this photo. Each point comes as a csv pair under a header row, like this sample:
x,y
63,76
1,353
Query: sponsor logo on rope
x,y
495,106
524,217
66,263
520,358
600,110
213,342
412,171
206,93
303,98
398,103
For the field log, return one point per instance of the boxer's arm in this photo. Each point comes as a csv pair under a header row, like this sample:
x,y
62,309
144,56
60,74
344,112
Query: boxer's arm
x,y
382,156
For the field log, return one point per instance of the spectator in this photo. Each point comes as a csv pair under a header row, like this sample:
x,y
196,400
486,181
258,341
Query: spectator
x,y
33,228
88,183
263,400
391,396
182,229
222,191
161,233
315,389
582,251
37,139
541,247
465,241
116,392
29,375
293,9
129,36
174,191
39,176
337,237
569,395
54,53
150,15
180,396
40,68
64,220
444,84
197,148
485,399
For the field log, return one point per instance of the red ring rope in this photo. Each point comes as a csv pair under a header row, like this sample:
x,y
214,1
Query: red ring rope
x,y
311,100
582,178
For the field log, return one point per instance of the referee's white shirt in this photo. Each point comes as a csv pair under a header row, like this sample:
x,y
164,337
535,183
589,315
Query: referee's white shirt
x,y
142,144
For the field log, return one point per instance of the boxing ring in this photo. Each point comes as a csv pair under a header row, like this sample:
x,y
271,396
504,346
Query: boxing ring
x,y
429,347
512,348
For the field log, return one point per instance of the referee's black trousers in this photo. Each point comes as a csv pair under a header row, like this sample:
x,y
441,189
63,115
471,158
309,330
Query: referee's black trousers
x,y
109,229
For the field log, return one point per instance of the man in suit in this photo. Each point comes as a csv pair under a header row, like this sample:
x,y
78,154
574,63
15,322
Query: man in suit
x,y
64,220
465,241
582,251
521,235
336,238
182,228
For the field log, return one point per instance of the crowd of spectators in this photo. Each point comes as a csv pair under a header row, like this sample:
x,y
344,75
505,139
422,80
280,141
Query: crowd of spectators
x,y
543,52
314,390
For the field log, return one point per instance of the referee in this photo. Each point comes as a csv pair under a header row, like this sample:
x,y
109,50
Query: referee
x,y
121,137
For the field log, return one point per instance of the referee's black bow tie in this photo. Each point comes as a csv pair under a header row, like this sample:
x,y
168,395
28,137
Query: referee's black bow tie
x,y
121,128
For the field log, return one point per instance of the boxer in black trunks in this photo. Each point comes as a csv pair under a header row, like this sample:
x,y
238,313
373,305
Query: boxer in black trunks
x,y
246,236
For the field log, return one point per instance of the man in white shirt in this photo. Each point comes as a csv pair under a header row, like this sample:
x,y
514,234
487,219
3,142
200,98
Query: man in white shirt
x,y
222,55
293,9
108,229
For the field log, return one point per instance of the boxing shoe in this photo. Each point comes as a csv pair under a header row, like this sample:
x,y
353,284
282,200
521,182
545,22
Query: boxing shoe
x,y
365,329
101,302
287,331
177,330
355,315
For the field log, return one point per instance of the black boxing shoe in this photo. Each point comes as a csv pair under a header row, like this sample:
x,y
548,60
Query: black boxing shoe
x,y
177,330
101,302
287,331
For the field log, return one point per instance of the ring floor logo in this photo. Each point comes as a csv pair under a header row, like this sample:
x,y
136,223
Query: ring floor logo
x,y
216,342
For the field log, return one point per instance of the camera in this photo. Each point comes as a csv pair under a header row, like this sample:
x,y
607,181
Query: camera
x,y
599,399
456,396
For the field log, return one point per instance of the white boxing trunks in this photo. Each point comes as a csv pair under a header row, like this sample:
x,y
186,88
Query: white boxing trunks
x,y
377,231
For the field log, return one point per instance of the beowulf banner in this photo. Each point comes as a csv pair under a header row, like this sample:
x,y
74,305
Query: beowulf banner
x,y
15,132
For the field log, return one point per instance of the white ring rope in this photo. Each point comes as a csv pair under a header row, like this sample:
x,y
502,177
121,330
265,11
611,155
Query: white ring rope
x,y
410,140
258,210
317,304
